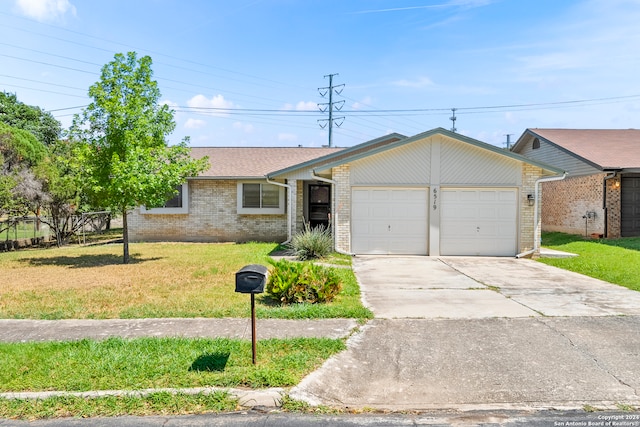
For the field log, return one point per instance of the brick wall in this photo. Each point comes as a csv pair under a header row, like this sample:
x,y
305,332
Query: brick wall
x,y
342,207
566,202
212,218
528,233
614,208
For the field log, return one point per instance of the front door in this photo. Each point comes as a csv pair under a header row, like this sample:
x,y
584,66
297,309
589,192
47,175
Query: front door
x,y
319,205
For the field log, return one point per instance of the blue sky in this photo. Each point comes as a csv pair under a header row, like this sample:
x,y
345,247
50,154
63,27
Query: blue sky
x,y
247,72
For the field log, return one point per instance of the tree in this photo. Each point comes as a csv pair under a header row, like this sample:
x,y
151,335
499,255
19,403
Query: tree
x,y
61,182
20,152
40,123
125,159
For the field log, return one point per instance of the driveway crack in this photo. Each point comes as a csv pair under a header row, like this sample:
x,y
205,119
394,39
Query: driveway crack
x,y
589,356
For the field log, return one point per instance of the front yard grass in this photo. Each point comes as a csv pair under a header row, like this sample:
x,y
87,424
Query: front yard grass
x,y
161,280
143,363
161,403
150,363
612,260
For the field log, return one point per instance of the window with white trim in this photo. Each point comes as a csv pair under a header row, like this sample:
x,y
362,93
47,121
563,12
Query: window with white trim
x,y
260,198
178,204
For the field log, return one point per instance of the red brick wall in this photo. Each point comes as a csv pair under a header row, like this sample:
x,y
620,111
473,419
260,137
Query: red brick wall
x,y
566,202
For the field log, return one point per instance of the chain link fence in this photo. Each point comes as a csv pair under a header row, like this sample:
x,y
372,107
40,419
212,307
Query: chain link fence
x,y
36,231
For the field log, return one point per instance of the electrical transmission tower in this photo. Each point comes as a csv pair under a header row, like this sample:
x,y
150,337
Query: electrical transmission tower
x,y
330,106
453,120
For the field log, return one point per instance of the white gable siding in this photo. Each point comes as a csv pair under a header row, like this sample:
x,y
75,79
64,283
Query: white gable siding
x,y
554,156
406,165
463,164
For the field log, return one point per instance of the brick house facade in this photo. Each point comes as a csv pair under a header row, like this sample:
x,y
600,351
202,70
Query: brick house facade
x,y
390,195
589,201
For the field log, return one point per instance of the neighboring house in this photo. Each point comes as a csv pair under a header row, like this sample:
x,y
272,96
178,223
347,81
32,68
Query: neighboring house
x,y
435,193
601,195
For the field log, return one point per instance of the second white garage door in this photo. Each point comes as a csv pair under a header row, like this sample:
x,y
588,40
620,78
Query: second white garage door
x,y
389,221
479,222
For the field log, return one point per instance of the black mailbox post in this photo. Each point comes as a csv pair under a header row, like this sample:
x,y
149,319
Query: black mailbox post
x,y
251,279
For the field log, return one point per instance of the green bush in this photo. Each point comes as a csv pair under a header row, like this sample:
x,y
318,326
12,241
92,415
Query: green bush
x,y
316,242
295,282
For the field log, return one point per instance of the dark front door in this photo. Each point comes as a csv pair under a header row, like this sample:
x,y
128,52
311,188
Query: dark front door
x,y
630,205
319,205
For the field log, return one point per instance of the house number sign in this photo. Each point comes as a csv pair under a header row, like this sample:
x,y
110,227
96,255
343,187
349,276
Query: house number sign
x,y
435,199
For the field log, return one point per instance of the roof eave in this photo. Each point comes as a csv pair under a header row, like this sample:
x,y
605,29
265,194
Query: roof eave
x,y
449,134
521,141
330,156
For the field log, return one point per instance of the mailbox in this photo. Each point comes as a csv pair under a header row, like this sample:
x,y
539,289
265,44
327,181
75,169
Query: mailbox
x,y
251,279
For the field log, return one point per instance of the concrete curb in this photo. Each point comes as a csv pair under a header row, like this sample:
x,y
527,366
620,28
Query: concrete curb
x,y
271,397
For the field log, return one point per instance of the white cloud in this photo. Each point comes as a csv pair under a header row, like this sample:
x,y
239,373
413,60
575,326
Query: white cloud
x,y
363,104
170,103
417,84
214,106
45,10
287,137
244,127
194,123
301,106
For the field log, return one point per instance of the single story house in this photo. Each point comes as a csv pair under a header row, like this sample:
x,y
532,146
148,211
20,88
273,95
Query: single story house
x,y
601,195
435,193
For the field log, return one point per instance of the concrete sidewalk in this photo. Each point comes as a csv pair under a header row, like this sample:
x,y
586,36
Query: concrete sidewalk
x,y
67,330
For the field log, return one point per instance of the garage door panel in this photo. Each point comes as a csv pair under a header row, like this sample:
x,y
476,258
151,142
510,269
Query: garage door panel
x,y
389,221
479,222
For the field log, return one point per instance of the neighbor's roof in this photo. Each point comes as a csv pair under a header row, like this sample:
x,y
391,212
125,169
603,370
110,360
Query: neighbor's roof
x,y
254,162
606,148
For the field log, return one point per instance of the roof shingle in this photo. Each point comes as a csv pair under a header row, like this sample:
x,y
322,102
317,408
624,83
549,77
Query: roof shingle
x,y
608,148
256,162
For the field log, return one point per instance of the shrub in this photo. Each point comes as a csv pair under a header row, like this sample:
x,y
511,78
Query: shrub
x,y
316,242
295,282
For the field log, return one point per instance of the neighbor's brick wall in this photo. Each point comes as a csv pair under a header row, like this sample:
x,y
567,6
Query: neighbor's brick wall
x,y
614,208
342,207
528,233
565,202
212,218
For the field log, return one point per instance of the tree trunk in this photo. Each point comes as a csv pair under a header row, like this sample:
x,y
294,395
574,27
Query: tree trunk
x,y
125,237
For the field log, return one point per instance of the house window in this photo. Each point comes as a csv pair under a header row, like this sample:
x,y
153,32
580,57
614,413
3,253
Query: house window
x,y
536,144
175,201
260,198
178,204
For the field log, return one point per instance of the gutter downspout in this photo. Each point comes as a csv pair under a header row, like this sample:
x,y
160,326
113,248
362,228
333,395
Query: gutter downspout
x,y
604,202
334,214
536,239
289,216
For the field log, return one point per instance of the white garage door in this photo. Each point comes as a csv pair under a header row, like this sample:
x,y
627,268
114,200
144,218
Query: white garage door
x,y
478,222
389,221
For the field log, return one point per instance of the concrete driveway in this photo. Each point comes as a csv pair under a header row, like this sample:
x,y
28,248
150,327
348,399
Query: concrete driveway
x,y
481,333
477,288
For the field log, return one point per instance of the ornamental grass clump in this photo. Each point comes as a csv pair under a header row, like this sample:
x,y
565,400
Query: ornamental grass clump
x,y
295,282
312,242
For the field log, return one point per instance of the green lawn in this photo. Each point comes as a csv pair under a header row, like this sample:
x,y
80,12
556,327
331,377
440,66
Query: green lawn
x,y
162,280
613,260
134,364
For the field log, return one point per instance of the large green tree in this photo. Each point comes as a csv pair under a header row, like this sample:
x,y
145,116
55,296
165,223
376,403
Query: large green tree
x,y
35,120
125,158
